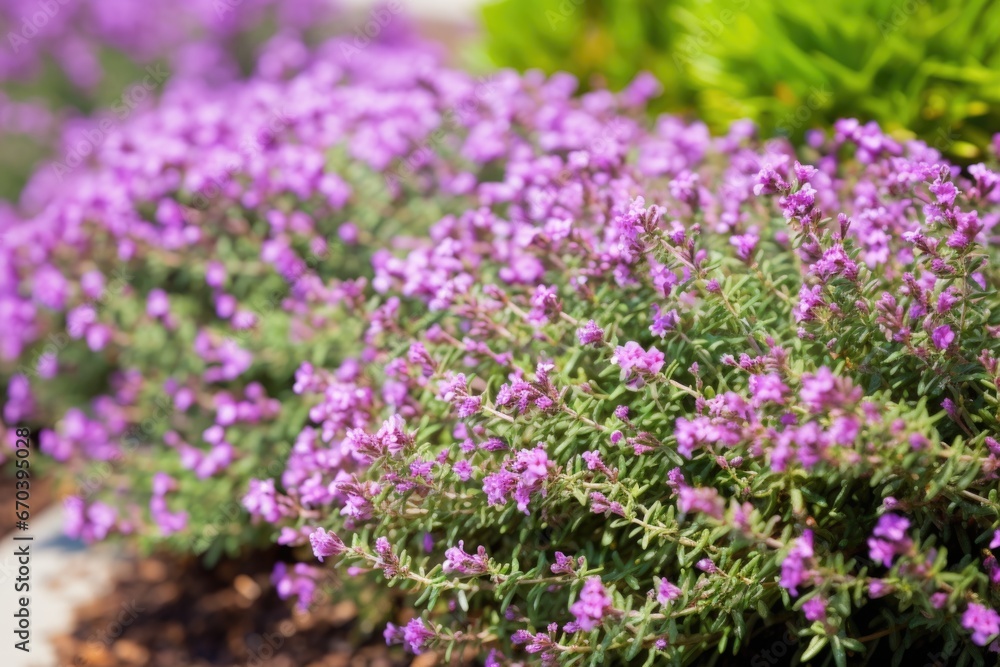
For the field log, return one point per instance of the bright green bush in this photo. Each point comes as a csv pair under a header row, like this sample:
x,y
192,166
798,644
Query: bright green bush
x,y
928,68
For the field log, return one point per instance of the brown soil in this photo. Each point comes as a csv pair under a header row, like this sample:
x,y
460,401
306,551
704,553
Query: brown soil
x,y
167,612
40,497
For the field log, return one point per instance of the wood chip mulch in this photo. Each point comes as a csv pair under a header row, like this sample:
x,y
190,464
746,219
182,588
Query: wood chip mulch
x,y
168,612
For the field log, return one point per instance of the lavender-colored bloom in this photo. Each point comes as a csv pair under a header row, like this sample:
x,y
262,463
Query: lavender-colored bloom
x,y
667,592
499,486
704,500
215,274
815,609
637,364
416,635
521,478
795,566
768,388
889,539
824,390
599,504
50,288
593,460
298,582
593,605
769,182
463,470
943,337
20,401
663,322
707,565
564,564
470,406
982,621
325,543
745,245
457,560
157,303
261,500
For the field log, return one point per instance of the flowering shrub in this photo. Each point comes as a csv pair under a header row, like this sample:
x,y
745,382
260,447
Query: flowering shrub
x,y
611,392
65,59
174,281
75,36
769,396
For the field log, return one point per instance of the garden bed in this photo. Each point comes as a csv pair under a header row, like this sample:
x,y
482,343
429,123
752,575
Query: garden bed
x,y
165,611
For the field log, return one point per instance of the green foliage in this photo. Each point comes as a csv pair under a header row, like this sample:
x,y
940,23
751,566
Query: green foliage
x,y
925,68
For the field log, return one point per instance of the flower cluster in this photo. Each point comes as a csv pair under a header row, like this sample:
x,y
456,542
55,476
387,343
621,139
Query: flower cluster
x,y
670,385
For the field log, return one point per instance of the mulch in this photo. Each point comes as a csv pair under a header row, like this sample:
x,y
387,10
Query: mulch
x,y
168,611
41,496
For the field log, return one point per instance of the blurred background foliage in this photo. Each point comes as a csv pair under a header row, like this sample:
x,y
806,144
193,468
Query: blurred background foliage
x,y
920,68
64,67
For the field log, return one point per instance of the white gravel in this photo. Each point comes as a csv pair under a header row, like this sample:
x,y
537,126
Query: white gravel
x,y
63,575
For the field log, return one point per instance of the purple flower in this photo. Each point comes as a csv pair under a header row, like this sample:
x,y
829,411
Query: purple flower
x,y
889,539
470,406
521,478
88,523
564,564
824,391
325,543
215,274
943,337
745,245
157,303
637,364
299,582
982,621
393,634
416,635
261,500
707,565
594,462
768,388
593,605
704,500
499,486
20,401
815,609
769,182
457,560
666,592
663,321
50,288
463,470
590,334
599,505
795,566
